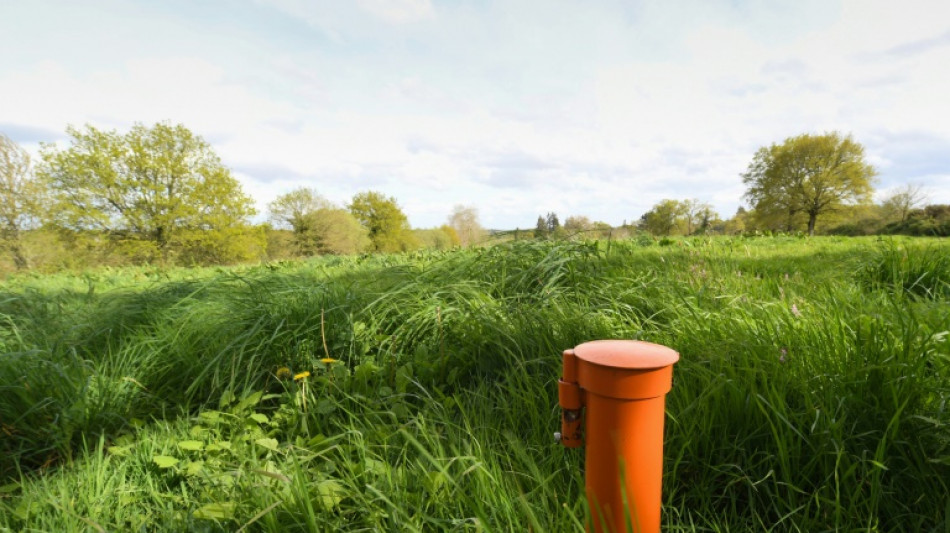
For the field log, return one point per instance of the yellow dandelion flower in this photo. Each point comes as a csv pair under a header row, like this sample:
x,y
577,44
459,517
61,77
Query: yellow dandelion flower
x,y
302,375
327,360
284,373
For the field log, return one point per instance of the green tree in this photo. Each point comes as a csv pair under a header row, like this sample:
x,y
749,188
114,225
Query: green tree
x,y
602,229
698,216
442,238
736,224
21,199
387,225
809,174
331,230
293,209
161,184
664,217
318,226
541,228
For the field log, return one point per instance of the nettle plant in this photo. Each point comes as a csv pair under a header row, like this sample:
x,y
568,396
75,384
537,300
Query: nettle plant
x,y
239,449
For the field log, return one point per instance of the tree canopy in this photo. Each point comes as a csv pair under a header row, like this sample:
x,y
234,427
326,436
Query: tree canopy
x,y
664,217
319,227
388,226
331,230
20,198
293,208
810,175
159,184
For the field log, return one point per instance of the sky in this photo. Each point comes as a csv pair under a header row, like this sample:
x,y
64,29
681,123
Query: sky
x,y
518,108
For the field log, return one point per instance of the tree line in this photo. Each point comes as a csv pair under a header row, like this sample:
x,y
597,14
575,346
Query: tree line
x,y
161,195
805,184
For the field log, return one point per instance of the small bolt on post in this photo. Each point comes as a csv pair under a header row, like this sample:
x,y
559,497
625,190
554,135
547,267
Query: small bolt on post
x,y
612,395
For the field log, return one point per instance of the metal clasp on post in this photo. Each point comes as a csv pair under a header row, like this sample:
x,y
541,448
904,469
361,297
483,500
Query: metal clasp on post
x,y
570,398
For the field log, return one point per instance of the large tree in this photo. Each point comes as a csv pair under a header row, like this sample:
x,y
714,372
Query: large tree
x,y
319,227
156,184
664,217
20,198
900,203
331,230
809,174
698,216
387,225
292,209
464,220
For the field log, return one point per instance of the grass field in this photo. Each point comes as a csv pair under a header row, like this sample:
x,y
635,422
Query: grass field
x,y
812,392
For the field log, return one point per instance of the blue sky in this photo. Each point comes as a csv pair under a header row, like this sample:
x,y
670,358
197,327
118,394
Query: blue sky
x,y
518,108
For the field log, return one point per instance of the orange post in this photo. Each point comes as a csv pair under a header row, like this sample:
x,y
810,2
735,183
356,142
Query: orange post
x,y
621,386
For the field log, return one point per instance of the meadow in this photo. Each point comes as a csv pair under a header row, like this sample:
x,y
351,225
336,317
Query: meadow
x,y
417,392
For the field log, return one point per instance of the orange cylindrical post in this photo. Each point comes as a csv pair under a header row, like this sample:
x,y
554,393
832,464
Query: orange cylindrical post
x,y
622,388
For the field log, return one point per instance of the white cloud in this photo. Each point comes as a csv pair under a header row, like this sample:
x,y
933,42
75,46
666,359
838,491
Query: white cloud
x,y
398,11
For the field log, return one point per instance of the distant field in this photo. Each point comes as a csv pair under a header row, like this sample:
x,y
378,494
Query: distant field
x,y
417,392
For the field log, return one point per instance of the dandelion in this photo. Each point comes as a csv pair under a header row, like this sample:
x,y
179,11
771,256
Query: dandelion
x,y
795,310
284,373
302,378
328,360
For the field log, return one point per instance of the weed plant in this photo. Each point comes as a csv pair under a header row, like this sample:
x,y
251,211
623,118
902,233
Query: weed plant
x,y
417,392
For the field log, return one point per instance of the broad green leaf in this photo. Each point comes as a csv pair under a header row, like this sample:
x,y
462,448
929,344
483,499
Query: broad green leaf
x,y
374,466
218,446
270,444
403,377
25,509
325,407
193,468
250,401
121,451
164,461
210,416
226,399
317,440
216,511
259,418
329,493
191,445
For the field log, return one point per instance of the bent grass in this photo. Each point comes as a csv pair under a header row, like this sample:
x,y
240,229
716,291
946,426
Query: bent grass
x,y
416,392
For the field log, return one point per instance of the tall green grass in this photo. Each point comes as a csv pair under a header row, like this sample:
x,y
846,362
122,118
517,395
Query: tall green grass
x,y
811,394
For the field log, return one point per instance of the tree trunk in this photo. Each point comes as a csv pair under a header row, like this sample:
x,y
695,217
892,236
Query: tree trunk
x,y
18,258
812,217
11,234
